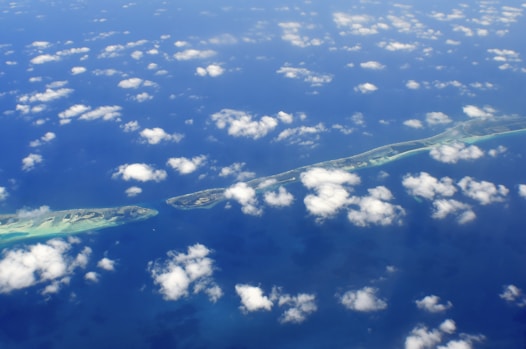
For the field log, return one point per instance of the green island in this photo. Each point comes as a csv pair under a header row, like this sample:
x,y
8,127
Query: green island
x,y
21,226
471,131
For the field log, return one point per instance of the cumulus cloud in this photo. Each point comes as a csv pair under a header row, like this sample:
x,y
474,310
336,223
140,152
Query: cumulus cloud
x,y
156,135
212,70
281,198
73,111
106,112
397,46
184,165
452,153
45,58
48,95
30,161
130,83
106,264
366,88
513,295
133,191
246,197
78,70
236,170
446,207
308,76
423,338
299,306
252,298
522,190
3,193
412,85
375,208
91,276
302,135
142,97
476,112
432,304
285,118
484,192
372,65
46,138
413,123
427,186
130,126
42,263
139,172
241,124
182,271
358,24
330,188
363,300
437,118
194,54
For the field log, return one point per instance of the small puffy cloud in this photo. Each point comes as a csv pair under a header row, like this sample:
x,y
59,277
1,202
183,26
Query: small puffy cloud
x,y
106,112
73,111
374,209
484,192
313,78
427,186
397,46
437,118
299,306
252,298
130,126
330,193
142,97
91,276
78,70
133,191
422,338
45,58
476,112
246,197
130,83
413,123
497,151
106,264
47,96
372,65
212,70
194,54
513,295
281,198
3,193
522,190
30,161
46,138
302,135
236,170
241,124
180,271
448,326
452,153
139,172
363,300
40,263
184,165
366,88
285,118
445,207
412,85
358,24
432,304
156,135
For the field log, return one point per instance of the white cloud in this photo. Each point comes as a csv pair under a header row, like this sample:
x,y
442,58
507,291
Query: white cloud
x,y
45,58
313,78
358,24
452,153
130,83
194,54
131,126
522,190
91,276
432,304
413,123
142,97
180,271
412,85
156,135
427,186
252,298
212,70
106,112
3,193
73,111
448,326
397,46
363,300
446,207
476,112
374,209
246,197
302,135
285,118
241,124
331,194
281,198
437,118
139,172
236,170
40,44
513,295
373,65
40,263
78,70
46,96
291,33
366,88
184,165
484,192
30,161
422,338
137,54
106,264
299,306
46,138
133,191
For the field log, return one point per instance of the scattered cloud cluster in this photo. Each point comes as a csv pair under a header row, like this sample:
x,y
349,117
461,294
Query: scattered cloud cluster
x,y
30,161
242,124
432,304
308,76
139,172
513,295
421,337
181,272
453,152
236,170
375,209
212,70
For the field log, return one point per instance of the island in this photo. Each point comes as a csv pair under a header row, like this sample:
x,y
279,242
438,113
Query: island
x,y
471,131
